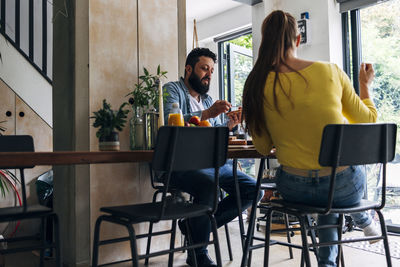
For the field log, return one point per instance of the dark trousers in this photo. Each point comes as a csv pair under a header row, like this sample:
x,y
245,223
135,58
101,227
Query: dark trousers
x,y
200,184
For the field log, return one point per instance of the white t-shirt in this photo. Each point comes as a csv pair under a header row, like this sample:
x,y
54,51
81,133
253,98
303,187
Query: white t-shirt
x,y
195,105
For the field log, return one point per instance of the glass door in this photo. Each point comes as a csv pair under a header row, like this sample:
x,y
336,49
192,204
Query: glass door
x,y
237,62
240,63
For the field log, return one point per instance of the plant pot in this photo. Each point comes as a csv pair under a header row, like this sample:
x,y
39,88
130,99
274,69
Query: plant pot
x,y
136,131
109,143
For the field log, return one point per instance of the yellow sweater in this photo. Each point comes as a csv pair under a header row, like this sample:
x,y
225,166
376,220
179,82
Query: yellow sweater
x,y
326,98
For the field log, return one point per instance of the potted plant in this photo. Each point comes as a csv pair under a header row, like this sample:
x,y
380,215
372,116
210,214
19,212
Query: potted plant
x,y
109,122
145,93
144,99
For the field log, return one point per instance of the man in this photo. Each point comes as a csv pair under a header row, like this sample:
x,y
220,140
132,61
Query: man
x,y
191,94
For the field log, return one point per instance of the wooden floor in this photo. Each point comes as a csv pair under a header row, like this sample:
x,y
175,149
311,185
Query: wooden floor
x,y
279,255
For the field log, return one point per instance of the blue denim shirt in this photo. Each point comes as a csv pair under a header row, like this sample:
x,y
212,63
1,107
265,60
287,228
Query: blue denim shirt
x,y
177,92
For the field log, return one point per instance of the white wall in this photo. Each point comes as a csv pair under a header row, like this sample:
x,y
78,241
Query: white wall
x,y
325,22
26,82
214,85
207,29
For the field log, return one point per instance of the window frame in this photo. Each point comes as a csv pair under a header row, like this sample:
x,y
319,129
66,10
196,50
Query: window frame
x,y
224,60
351,36
352,58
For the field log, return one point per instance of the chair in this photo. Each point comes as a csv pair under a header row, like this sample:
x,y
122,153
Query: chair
x,y
343,145
24,143
247,243
158,186
175,151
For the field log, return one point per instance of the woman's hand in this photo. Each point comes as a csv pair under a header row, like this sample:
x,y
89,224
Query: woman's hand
x,y
365,79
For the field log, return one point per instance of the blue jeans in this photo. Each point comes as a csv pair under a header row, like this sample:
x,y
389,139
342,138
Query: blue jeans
x,y
349,189
200,184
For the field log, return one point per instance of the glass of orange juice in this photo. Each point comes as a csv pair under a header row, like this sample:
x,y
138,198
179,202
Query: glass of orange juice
x,y
175,119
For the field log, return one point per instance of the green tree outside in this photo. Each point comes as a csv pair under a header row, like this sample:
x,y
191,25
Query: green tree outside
x,y
380,34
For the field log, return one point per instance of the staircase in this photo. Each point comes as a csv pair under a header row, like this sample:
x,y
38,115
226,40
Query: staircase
x,y
26,42
27,25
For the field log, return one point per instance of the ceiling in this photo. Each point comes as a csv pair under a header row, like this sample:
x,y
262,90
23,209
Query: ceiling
x,y
202,9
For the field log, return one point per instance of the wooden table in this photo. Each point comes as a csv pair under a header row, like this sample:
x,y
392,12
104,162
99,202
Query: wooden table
x,y
12,159
235,152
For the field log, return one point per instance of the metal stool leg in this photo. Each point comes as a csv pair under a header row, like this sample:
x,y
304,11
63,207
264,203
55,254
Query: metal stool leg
x,y
42,240
340,248
132,238
215,240
228,242
250,229
57,245
304,241
172,244
385,240
95,256
238,202
228,239
189,241
267,237
146,261
286,217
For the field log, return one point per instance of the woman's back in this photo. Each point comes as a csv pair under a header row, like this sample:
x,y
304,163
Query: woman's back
x,y
307,100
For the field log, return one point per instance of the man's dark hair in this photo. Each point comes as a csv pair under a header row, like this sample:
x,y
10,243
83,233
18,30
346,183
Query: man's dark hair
x,y
194,55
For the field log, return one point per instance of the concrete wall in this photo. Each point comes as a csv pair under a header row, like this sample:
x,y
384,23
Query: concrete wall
x,y
124,37
102,47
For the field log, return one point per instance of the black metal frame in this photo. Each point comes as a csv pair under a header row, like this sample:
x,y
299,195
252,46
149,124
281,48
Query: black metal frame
x,y
346,43
31,32
24,143
159,187
351,40
224,59
44,36
3,17
171,154
16,43
342,145
351,36
248,238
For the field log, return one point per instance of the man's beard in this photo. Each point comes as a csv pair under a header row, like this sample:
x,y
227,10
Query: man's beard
x,y
197,85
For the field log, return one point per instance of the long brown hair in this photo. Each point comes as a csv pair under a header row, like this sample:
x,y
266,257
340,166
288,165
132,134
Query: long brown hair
x,y
278,36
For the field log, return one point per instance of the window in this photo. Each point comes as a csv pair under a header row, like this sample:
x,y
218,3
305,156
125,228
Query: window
x,y
236,58
372,34
237,62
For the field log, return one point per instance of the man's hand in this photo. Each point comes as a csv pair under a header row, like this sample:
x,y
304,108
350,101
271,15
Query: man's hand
x,y
219,106
234,120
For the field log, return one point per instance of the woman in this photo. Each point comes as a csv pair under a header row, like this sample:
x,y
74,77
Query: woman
x,y
287,102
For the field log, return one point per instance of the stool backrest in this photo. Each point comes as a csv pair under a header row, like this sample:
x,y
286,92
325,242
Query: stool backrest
x,y
17,143
357,144
190,148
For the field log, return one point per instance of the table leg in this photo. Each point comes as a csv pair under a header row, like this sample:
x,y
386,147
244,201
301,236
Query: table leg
x,y
250,229
238,201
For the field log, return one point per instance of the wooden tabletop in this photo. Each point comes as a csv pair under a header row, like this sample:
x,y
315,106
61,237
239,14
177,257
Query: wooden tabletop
x,y
13,159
